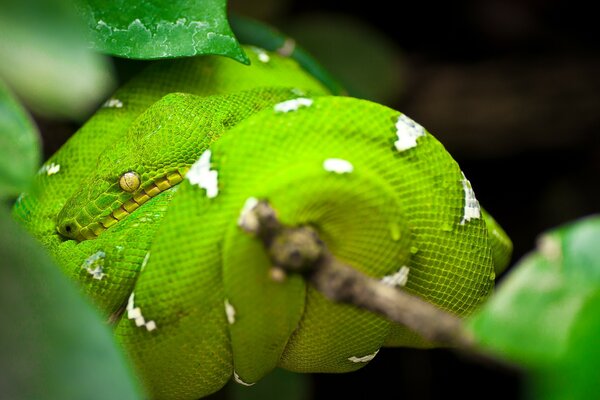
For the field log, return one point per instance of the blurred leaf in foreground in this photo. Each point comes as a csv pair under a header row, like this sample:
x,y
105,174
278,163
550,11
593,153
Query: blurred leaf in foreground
x,y
161,28
19,146
46,61
546,313
52,343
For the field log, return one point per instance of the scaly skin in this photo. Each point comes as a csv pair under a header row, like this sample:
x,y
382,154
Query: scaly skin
x,y
188,292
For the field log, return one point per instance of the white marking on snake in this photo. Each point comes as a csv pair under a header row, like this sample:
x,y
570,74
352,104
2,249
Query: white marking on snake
x,y
472,209
263,56
550,248
21,197
363,359
293,105
201,175
248,220
230,312
298,92
150,326
145,261
49,169
398,278
338,166
94,264
113,103
135,313
236,377
408,131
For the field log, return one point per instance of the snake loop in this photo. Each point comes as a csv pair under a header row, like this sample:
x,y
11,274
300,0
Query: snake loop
x,y
144,204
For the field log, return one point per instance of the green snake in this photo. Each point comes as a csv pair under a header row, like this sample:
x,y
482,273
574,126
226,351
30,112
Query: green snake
x,y
142,208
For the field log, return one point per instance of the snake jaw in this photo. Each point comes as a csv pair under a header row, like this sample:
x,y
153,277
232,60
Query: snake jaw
x,y
70,228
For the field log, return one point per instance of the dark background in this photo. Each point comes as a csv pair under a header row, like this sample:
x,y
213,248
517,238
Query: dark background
x,y
510,87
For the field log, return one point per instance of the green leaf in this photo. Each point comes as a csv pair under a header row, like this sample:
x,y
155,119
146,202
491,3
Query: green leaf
x,y
160,28
53,344
546,313
19,144
46,61
578,374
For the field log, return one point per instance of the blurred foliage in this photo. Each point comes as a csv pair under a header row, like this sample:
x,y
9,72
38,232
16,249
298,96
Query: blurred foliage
x,y
159,29
19,146
53,345
546,313
365,61
46,61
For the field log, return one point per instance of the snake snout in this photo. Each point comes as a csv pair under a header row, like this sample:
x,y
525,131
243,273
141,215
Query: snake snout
x,y
69,229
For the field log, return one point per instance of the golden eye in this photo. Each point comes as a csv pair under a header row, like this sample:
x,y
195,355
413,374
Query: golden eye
x,y
129,181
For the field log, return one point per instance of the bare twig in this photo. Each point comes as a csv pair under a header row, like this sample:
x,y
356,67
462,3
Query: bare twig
x,y
299,249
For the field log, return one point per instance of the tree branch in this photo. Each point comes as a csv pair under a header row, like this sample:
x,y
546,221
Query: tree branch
x,y
299,250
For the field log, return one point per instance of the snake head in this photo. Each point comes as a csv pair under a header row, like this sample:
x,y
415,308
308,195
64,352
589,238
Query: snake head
x,y
155,154
151,157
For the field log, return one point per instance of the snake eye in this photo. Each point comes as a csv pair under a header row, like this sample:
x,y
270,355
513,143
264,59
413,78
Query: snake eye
x,y
129,181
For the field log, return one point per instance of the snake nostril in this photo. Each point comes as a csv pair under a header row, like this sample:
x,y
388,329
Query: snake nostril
x,y
67,230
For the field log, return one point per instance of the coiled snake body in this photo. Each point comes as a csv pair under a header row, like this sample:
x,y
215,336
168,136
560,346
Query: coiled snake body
x,y
141,207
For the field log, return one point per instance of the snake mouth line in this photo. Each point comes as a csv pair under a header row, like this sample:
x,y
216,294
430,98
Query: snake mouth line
x,y
158,186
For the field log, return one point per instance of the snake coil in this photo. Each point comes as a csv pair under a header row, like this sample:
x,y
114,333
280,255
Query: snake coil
x,y
188,292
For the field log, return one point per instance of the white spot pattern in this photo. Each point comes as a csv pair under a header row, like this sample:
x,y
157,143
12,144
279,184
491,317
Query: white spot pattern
x,y
247,220
263,56
201,175
230,312
338,166
408,131
236,377
363,359
49,169
471,209
113,103
135,313
94,264
398,278
145,261
293,105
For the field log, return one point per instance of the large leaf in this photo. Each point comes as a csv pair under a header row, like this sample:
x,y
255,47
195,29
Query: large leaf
x,y
160,28
46,61
546,313
52,343
19,146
